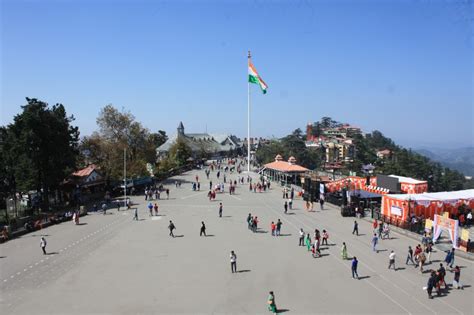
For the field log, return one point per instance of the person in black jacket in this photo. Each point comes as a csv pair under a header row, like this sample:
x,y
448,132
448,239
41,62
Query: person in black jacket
x,y
431,283
203,229
171,227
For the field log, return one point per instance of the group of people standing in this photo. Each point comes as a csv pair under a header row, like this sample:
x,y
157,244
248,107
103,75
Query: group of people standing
x,y
276,228
155,193
252,223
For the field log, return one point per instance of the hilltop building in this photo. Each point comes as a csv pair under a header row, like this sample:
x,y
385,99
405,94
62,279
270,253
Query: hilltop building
x,y
213,144
336,142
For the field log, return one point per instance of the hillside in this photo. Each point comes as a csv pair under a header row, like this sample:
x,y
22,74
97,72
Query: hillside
x,y
315,150
461,159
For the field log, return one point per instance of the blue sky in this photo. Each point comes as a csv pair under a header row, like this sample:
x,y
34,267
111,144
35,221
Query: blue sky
x,y
402,67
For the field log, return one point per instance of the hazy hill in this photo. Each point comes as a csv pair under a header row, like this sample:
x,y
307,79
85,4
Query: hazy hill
x,y
461,159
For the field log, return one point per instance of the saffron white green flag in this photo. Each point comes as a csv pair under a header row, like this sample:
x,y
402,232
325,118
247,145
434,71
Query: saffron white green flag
x,y
256,79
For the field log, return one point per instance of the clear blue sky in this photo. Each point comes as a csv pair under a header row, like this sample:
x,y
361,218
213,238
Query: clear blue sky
x,y
402,67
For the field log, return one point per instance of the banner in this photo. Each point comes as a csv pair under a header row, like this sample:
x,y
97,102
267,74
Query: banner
x,y
394,210
441,223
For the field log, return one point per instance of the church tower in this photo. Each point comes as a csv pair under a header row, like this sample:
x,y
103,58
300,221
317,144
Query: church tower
x,y
181,129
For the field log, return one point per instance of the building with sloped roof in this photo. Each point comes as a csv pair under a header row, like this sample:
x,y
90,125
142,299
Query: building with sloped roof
x,y
213,144
285,172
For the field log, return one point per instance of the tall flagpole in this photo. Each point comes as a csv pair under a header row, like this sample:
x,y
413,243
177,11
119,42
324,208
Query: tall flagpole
x,y
248,117
125,177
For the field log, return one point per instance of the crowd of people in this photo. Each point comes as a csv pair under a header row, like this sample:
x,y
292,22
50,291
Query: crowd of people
x,y
419,257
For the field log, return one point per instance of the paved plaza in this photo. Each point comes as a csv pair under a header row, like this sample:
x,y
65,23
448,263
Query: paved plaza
x,y
111,264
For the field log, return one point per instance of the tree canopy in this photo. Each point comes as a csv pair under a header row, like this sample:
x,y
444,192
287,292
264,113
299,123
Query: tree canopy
x,y
118,131
291,145
39,149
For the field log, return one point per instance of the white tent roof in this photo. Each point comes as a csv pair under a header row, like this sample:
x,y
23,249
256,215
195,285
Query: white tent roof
x,y
444,195
408,180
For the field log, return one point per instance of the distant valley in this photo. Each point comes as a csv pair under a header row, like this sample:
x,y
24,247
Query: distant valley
x,y
461,159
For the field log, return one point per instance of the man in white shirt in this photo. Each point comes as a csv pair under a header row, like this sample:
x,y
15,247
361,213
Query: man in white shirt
x,y
43,245
233,261
391,260
301,237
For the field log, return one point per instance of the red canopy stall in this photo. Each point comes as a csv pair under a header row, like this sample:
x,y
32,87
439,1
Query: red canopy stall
x,y
403,206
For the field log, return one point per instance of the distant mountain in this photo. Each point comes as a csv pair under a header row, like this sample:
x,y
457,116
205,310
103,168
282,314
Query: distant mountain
x,y
461,159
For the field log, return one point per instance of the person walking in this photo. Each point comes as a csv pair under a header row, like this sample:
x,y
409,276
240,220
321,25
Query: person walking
x,y
104,208
317,235
301,237
150,208
375,240
429,250
43,245
450,258
391,260
171,227
354,264
233,262
278,227
255,224
271,303
167,193
308,242
410,256
156,208
325,238
421,261
203,229
441,275
249,221
457,276
380,230
375,225
418,251
273,228
285,206
344,251
355,229
135,214
431,284
220,210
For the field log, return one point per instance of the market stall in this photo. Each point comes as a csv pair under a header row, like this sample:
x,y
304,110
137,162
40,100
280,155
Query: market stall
x,y
426,205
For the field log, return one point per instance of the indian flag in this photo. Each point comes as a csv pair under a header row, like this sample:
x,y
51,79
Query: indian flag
x,y
256,79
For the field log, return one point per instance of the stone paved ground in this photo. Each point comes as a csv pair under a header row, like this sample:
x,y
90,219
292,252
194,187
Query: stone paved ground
x,y
112,264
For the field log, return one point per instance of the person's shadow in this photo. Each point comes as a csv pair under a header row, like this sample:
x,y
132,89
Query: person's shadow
x,y
282,310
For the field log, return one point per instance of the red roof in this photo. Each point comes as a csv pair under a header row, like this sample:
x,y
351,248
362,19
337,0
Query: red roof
x,y
285,167
85,171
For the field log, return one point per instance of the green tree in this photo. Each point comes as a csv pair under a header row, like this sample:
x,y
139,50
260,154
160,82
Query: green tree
x,y
118,131
41,146
291,145
180,152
